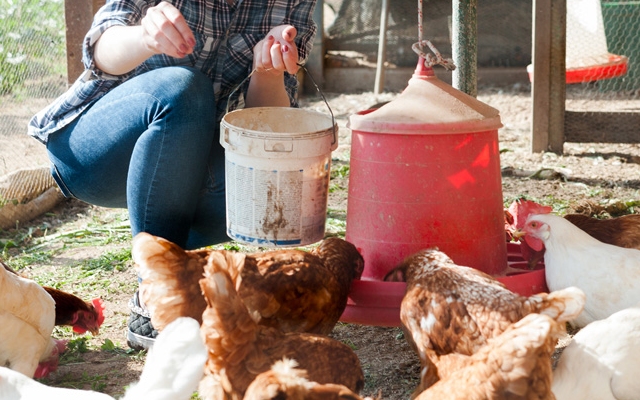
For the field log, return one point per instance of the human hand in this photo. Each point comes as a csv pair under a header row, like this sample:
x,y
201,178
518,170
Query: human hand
x,y
277,52
165,31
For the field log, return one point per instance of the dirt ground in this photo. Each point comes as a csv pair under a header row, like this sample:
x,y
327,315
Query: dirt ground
x,y
601,173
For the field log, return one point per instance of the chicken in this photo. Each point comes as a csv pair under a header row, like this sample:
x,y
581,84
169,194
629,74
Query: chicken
x,y
174,366
515,217
513,365
27,319
609,275
292,290
16,386
172,371
621,231
602,362
240,349
449,309
72,311
285,381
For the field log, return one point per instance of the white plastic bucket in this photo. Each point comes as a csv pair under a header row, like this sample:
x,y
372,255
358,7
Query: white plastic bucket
x,y
277,170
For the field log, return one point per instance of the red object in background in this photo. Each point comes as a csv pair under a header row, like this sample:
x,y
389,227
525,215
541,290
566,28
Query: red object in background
x,y
617,66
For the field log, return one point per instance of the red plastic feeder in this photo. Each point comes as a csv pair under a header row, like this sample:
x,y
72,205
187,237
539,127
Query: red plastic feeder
x,y
425,171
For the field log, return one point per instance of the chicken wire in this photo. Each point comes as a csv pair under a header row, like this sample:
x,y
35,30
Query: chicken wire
x,y
599,34
32,73
504,30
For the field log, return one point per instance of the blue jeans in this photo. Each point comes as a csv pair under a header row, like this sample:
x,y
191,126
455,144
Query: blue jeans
x,y
150,145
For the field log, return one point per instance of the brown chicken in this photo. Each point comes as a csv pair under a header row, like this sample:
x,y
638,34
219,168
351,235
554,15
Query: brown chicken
x,y
285,381
513,365
240,349
292,290
452,309
621,231
72,311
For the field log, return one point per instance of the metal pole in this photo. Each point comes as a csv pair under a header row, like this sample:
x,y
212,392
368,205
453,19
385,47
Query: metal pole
x,y
465,46
382,48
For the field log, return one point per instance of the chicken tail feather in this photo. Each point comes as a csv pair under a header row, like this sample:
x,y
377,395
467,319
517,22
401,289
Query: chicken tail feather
x,y
563,305
170,275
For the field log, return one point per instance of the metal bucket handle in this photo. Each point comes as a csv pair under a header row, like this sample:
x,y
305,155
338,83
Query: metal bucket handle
x,y
333,119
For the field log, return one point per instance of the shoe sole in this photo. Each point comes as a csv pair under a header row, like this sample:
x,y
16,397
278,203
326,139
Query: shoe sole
x,y
139,342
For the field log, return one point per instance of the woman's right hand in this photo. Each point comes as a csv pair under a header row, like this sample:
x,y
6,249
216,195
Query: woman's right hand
x,y
165,31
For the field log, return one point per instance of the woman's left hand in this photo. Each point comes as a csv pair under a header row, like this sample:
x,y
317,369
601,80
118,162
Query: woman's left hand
x,y
277,52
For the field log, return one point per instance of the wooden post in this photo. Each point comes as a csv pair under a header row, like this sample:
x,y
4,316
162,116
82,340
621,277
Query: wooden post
x,y
382,48
78,15
548,90
465,46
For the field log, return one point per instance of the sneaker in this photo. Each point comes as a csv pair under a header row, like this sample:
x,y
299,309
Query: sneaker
x,y
141,335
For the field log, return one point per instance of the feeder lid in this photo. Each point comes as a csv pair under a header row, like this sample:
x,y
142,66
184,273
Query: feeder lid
x,y
428,106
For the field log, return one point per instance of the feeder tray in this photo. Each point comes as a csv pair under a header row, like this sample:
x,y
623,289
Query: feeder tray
x,y
615,67
373,302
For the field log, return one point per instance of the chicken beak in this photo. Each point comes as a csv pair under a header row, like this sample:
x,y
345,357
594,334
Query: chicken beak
x,y
518,234
95,332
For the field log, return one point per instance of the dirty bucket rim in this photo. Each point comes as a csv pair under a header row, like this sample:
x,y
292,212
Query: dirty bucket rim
x,y
329,130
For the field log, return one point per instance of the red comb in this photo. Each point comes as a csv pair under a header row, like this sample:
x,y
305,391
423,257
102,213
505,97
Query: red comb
x,y
99,306
522,209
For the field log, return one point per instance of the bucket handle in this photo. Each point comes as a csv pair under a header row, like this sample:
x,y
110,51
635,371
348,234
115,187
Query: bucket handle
x,y
333,119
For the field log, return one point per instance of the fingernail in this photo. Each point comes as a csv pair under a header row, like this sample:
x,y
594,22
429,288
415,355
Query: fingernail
x,y
192,42
270,37
184,48
285,48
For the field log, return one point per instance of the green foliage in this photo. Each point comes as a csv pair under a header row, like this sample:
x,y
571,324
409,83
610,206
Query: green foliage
x,y
32,41
118,260
340,171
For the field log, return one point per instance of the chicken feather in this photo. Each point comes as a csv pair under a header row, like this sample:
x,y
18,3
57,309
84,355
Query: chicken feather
x,y
240,349
609,275
602,362
285,381
513,365
451,309
293,290
27,319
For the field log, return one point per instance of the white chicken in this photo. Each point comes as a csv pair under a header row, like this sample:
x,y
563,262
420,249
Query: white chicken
x,y
27,319
602,362
609,275
172,371
16,386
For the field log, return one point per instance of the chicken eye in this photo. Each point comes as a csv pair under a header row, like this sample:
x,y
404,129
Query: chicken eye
x,y
534,224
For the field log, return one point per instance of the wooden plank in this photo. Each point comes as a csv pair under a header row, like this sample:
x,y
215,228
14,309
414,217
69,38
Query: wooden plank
x,y
97,4
541,60
557,78
601,127
78,15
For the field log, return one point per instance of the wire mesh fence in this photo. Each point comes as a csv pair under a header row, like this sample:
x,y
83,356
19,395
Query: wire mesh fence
x,y
32,73
603,49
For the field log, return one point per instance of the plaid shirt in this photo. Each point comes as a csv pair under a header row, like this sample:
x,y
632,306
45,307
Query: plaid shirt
x,y
225,36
